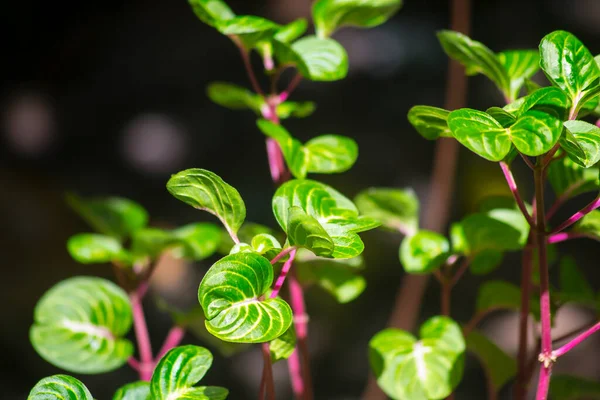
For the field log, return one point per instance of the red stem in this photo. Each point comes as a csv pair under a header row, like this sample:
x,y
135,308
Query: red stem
x,y
301,325
578,339
172,340
284,271
267,384
288,91
512,185
282,254
563,236
522,381
248,65
143,339
578,215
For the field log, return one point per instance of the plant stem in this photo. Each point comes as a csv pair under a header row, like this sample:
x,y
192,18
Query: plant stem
x,y
562,199
564,236
512,185
282,254
142,336
248,65
545,311
288,91
284,271
578,215
172,340
301,325
267,386
520,391
574,342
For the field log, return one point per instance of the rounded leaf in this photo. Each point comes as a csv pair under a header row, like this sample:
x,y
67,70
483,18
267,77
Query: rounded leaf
x,y
80,324
424,252
535,132
234,97
587,137
305,231
134,391
198,241
91,248
211,11
396,209
247,29
231,295
430,122
59,387
331,153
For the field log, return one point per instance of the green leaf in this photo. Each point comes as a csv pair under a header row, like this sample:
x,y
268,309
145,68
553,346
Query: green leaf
x,y
519,65
587,137
291,31
211,11
295,109
282,347
134,391
499,366
206,191
485,261
430,122
535,133
396,209
550,100
589,225
335,213
568,64
476,58
92,248
179,370
315,58
231,296
295,155
80,324
112,216
151,242
498,295
505,118
331,153
247,29
411,369
305,231
60,387
574,287
198,241
330,15
570,179
567,387
424,252
265,244
234,97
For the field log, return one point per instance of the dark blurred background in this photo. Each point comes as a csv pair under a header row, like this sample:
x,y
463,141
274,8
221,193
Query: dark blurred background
x,y
108,98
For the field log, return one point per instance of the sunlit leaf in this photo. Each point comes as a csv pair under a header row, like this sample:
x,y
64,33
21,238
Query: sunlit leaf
x,y
80,324
247,29
179,370
424,252
305,231
134,391
295,109
589,225
282,347
234,97
231,295
92,248
519,65
396,209
211,11
499,366
505,118
197,241
291,31
550,100
587,137
60,387
331,153
430,122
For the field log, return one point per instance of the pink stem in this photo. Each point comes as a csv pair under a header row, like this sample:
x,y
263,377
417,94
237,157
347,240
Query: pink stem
x,y
143,339
276,161
134,364
578,215
248,65
282,254
172,340
563,236
296,374
284,271
544,382
578,339
301,325
283,96
515,191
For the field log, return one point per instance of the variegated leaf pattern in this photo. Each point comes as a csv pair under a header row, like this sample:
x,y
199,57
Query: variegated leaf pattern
x,y
60,387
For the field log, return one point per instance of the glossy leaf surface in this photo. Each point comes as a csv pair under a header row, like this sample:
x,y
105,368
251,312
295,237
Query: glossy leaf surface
x,y
60,387
587,137
430,122
519,65
424,252
396,209
134,391
91,248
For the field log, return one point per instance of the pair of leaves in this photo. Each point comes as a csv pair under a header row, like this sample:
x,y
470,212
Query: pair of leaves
x,y
413,369
232,296
508,69
319,218
395,209
324,154
174,378
238,98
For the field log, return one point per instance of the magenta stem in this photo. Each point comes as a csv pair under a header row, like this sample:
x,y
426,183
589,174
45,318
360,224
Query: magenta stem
x,y
578,339
515,191
578,215
301,325
276,161
134,364
282,254
248,65
284,272
283,96
544,382
172,340
142,336
564,236
296,374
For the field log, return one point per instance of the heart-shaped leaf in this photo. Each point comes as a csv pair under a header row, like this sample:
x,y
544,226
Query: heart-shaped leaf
x,y
499,366
569,179
411,369
587,137
211,11
569,65
231,295
80,324
305,231
330,154
315,58
112,216
396,209
574,287
282,347
519,65
93,248
179,370
476,57
430,122
134,391
335,213
589,225
60,387
206,191
424,252
265,244
567,387
330,15
198,241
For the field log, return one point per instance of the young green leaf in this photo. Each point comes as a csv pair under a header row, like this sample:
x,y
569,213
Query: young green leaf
x,y
179,370
330,15
505,118
499,366
211,11
139,390
569,179
574,287
92,248
550,100
295,155
282,347
112,216
330,154
231,295
587,137
567,387
60,387
266,245
234,97
569,65
295,109
305,231
476,58
315,58
291,31
589,225
396,209
248,30
151,242
519,65
206,191
485,261
430,122
535,133
80,324
411,369
498,295
424,252
197,241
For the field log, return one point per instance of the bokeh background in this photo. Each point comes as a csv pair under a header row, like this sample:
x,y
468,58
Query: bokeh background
x,y
108,98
